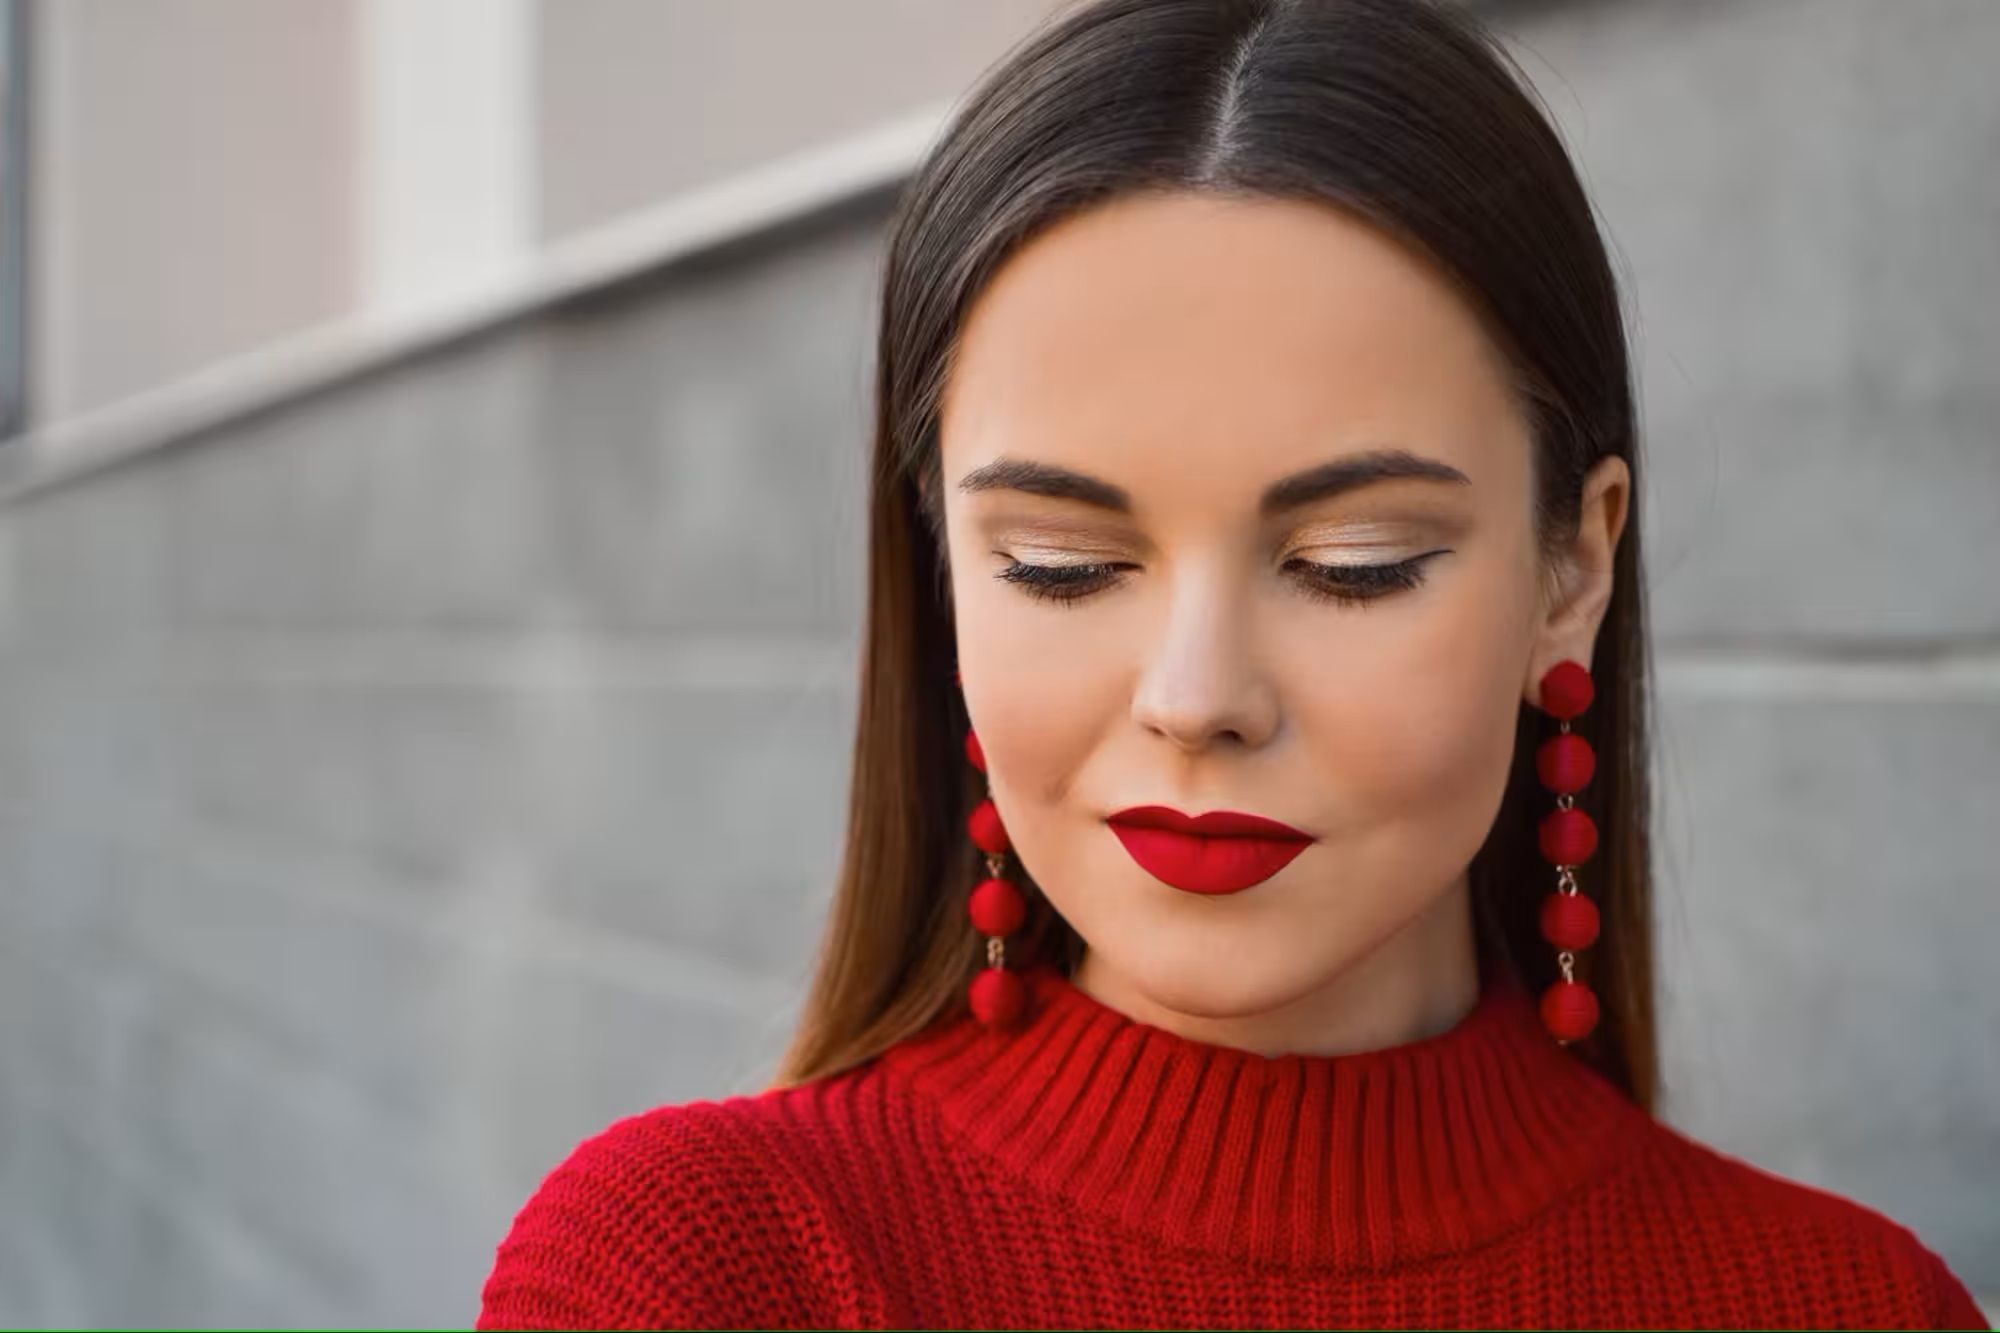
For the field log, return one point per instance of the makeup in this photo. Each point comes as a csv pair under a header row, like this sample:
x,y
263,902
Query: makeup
x,y
1223,851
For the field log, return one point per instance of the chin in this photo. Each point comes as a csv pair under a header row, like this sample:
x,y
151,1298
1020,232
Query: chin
x,y
1204,977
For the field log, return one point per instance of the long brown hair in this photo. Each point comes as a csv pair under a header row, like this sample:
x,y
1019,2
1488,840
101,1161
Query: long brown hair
x,y
1407,113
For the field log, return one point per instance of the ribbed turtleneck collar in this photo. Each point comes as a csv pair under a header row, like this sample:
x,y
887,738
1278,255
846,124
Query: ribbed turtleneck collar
x,y
1361,1160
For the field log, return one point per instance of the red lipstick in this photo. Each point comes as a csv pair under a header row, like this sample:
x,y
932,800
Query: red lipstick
x,y
1222,851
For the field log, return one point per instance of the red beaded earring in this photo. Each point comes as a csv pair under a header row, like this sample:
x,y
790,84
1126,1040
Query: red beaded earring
x,y
998,996
1565,763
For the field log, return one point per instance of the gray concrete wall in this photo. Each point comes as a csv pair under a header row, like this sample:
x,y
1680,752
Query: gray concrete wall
x,y
192,187
385,795
211,176
638,101
1800,195
386,784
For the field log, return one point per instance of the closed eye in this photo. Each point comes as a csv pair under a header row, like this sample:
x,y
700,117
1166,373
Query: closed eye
x,y
1346,585
1350,585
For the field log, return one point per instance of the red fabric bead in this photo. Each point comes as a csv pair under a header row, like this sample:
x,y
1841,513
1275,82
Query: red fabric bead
x,y
1565,762
1569,920
988,833
1568,836
997,907
973,750
999,997
1567,689
1569,1010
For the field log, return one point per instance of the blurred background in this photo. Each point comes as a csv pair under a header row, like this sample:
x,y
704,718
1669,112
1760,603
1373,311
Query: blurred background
x,y
431,515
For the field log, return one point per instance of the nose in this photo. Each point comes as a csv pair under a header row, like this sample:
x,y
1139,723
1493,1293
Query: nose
x,y
1202,681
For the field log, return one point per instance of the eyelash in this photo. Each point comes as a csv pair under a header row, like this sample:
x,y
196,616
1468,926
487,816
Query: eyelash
x,y
1343,585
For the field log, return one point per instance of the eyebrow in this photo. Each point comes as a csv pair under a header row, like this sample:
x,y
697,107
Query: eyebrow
x,y
1320,482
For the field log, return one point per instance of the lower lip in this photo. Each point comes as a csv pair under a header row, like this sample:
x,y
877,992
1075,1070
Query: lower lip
x,y
1207,865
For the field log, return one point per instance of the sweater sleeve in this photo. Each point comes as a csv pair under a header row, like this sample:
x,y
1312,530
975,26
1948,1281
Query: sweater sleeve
x,y
1952,1305
660,1220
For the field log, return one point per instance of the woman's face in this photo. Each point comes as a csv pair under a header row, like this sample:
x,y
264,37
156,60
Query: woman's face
x,y
1191,393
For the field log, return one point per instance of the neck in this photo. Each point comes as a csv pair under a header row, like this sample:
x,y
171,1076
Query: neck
x,y
1421,981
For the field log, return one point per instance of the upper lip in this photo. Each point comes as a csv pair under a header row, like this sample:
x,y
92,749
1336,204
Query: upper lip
x,y
1214,824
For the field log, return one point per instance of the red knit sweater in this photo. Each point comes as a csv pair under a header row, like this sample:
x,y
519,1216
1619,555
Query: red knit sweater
x,y
1089,1169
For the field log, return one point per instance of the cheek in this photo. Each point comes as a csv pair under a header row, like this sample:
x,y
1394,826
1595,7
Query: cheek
x,y
1033,685
1037,743
1036,740
1416,730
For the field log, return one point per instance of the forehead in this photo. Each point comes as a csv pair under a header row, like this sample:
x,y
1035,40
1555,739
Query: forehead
x,y
1224,335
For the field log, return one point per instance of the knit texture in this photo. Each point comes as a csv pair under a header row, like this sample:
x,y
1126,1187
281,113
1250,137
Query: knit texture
x,y
1092,1170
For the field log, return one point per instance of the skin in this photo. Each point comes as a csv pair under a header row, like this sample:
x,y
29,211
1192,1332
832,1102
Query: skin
x,y
1189,350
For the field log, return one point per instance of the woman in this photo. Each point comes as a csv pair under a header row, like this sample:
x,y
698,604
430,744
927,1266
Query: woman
x,y
1245,917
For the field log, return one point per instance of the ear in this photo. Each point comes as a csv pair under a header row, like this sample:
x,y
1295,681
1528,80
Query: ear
x,y
1578,591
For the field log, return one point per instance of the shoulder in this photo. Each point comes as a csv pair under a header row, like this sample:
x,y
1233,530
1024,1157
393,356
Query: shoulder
x,y
1838,1252
680,1215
